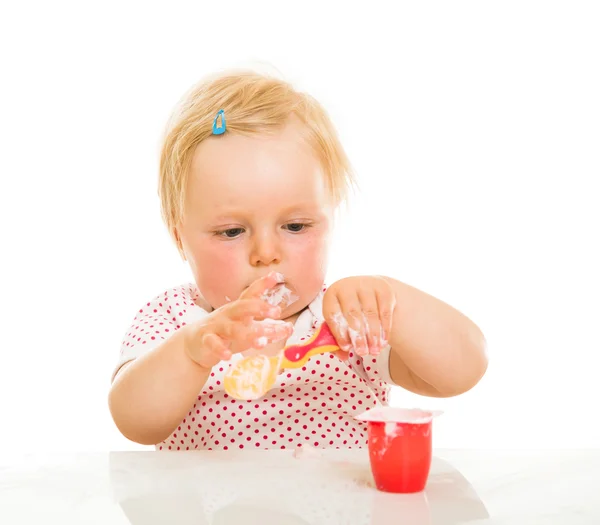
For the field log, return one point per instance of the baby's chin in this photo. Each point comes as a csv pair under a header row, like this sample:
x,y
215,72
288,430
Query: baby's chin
x,y
291,313
300,304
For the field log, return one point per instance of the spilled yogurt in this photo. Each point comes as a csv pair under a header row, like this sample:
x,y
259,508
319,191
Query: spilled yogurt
x,y
279,294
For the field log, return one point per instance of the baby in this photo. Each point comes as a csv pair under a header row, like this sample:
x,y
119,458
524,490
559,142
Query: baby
x,y
251,174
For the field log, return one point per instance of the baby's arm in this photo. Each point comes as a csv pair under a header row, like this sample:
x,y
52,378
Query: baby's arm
x,y
436,350
152,394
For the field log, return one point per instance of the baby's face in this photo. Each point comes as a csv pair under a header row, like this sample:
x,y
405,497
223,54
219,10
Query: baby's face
x,y
253,205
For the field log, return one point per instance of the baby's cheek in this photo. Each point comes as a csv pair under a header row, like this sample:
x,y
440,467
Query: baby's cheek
x,y
310,260
219,276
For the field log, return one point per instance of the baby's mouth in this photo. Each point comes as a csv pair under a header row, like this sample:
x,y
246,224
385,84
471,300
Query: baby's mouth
x,y
280,295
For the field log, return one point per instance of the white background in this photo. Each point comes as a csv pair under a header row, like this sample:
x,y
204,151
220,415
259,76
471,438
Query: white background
x,y
475,131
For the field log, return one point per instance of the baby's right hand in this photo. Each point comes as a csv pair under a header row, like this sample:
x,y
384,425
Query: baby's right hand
x,y
233,327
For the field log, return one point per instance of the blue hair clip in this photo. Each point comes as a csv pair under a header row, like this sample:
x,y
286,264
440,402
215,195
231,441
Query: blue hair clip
x,y
219,130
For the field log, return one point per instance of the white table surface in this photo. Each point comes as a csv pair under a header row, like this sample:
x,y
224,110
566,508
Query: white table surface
x,y
274,487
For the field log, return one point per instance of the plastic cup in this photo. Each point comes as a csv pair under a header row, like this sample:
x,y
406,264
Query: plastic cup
x,y
399,447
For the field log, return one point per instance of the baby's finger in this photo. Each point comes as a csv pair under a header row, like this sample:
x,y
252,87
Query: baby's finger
x,y
212,351
337,322
356,326
248,309
270,331
257,334
218,347
370,313
260,286
386,305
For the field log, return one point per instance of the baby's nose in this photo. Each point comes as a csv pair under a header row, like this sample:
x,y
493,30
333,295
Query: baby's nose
x,y
265,252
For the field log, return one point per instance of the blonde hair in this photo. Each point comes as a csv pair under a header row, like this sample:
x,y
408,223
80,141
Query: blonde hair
x,y
253,103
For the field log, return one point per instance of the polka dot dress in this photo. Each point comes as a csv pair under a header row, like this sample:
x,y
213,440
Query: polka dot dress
x,y
314,405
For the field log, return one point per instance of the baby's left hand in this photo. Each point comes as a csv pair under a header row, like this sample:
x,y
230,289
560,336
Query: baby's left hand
x,y
359,312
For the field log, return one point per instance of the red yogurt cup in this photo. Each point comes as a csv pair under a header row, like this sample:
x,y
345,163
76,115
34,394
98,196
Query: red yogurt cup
x,y
400,447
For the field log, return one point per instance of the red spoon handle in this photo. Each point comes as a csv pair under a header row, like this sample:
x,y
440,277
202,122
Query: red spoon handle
x,y
321,342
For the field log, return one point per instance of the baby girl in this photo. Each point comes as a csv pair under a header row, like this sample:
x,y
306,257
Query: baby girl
x,y
251,175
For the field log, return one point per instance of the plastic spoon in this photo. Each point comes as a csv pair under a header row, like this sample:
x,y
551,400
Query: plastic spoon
x,y
253,376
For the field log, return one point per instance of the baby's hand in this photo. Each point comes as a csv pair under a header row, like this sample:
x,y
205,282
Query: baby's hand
x,y
237,326
359,311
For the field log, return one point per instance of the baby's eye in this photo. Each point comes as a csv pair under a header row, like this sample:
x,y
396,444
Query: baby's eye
x,y
296,227
231,233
